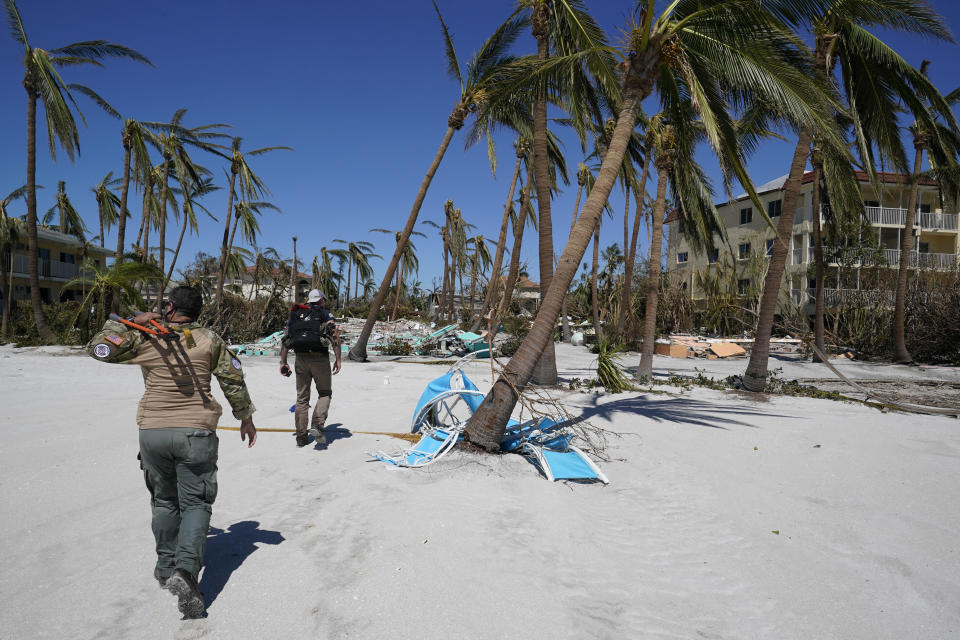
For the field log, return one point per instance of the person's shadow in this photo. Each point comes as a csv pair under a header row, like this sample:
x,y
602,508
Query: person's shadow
x,y
226,551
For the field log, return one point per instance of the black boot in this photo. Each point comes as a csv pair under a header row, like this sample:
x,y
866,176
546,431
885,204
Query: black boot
x,y
161,579
189,599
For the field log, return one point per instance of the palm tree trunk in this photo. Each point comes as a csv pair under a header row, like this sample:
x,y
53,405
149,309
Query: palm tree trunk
x,y
176,253
124,193
487,425
546,370
645,370
565,322
626,305
227,239
396,299
100,216
8,299
906,247
495,274
818,340
163,226
32,249
473,275
515,252
358,352
755,377
442,316
594,293
144,234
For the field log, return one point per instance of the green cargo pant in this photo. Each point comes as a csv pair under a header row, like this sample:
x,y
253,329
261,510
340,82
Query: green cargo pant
x,y
312,368
180,469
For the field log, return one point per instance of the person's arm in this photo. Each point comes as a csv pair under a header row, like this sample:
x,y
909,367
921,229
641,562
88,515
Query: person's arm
x,y
116,343
284,367
336,349
229,372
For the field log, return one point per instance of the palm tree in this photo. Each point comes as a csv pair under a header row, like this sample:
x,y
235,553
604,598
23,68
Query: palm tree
x,y
11,230
42,82
565,28
172,139
136,166
252,187
482,73
104,281
480,261
358,260
409,263
942,141
873,79
191,193
68,219
748,55
519,220
107,203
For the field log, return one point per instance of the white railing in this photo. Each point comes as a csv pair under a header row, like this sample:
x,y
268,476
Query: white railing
x,y
938,261
938,220
885,215
833,297
46,268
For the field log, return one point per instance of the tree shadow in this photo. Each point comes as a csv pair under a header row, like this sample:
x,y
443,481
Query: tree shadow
x,y
679,410
226,551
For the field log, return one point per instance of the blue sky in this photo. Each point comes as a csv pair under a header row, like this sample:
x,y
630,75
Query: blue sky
x,y
359,90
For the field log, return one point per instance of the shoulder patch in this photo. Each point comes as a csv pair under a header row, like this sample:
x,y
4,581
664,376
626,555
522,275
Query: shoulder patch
x,y
101,350
235,363
115,339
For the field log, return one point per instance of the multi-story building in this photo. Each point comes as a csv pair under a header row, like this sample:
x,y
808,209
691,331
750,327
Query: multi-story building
x,y
59,257
750,239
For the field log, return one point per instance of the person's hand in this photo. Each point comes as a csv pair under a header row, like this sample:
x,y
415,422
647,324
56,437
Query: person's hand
x,y
336,367
146,317
284,369
248,431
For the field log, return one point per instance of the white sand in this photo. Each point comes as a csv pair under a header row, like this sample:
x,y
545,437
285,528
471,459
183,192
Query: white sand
x,y
327,544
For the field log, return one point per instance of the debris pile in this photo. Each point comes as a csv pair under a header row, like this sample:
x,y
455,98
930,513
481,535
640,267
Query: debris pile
x,y
691,346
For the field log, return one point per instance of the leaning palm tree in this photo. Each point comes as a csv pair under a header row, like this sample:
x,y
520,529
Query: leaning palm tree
x,y
476,79
251,187
749,55
519,220
42,82
873,79
107,204
480,261
101,282
11,232
191,193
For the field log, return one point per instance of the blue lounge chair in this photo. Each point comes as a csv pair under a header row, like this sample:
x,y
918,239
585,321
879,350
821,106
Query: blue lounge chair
x,y
556,457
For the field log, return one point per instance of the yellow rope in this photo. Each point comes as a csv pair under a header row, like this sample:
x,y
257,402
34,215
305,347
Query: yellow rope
x,y
411,437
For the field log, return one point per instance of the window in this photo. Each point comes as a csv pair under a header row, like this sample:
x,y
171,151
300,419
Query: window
x,y
713,255
770,247
746,215
924,208
681,257
774,208
744,251
743,286
871,203
924,247
66,257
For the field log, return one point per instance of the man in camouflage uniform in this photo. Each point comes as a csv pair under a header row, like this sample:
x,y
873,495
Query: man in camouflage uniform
x,y
178,418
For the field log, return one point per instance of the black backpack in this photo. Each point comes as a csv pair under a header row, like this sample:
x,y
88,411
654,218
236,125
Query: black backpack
x,y
308,330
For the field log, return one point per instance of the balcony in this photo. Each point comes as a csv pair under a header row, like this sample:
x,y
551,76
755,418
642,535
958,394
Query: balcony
x,y
886,215
834,297
945,221
47,268
936,261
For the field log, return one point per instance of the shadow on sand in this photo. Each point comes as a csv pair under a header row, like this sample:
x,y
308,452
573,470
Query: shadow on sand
x,y
226,551
680,410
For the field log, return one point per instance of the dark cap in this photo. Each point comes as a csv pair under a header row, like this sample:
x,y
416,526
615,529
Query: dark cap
x,y
187,300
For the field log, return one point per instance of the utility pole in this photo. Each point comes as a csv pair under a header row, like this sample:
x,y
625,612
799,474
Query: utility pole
x,y
293,274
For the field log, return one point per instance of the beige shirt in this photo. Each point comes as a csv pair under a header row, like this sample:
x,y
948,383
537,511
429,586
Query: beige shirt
x,y
176,374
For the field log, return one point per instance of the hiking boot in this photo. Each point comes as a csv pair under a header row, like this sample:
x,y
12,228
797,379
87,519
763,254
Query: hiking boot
x,y
189,599
319,439
302,440
161,579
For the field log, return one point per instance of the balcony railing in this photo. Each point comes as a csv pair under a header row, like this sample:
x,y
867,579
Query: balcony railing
x,y
885,215
833,297
46,268
937,261
946,221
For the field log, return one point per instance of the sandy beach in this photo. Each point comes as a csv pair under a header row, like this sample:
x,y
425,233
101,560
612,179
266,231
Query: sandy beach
x,y
727,516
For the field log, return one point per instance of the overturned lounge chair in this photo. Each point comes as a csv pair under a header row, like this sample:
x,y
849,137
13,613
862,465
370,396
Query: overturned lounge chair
x,y
439,418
